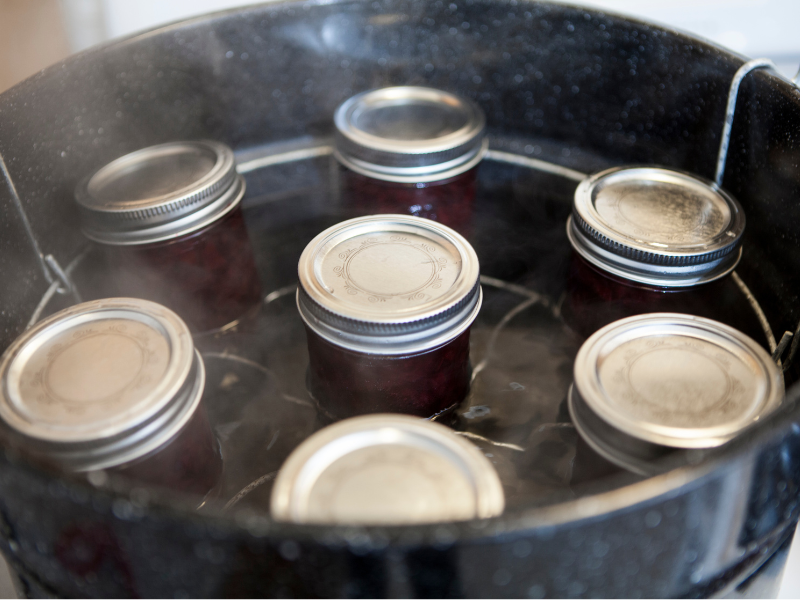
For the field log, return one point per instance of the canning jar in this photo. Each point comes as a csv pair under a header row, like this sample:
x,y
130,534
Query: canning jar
x,y
650,384
388,301
411,150
386,469
648,239
168,219
112,384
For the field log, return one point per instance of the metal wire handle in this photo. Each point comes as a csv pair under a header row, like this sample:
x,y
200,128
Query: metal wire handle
x,y
730,111
53,273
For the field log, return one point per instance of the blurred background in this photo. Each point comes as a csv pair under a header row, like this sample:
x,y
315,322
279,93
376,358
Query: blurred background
x,y
38,33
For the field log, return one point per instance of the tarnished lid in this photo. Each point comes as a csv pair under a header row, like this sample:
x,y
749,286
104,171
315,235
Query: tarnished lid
x,y
386,469
389,284
159,192
656,226
676,380
409,134
101,383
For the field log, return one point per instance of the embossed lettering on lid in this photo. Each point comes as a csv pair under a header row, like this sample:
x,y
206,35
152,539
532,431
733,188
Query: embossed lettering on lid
x,y
101,382
656,226
389,273
388,283
676,380
386,469
86,376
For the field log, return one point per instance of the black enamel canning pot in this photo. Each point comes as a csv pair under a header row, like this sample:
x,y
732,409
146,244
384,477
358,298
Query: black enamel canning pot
x,y
576,89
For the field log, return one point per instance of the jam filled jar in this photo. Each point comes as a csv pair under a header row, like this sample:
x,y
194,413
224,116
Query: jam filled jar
x,y
389,470
411,150
650,240
169,221
112,384
651,384
388,302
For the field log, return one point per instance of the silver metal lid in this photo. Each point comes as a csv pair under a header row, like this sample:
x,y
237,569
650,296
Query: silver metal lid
x,y
409,134
656,226
159,193
386,469
676,380
101,383
389,284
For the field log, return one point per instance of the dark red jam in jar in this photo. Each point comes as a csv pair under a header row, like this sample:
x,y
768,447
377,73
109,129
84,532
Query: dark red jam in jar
x,y
647,240
388,302
411,150
169,221
113,385
651,384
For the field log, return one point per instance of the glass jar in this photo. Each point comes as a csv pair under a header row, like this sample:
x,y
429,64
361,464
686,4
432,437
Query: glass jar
x,y
116,385
650,384
386,469
169,221
388,302
411,150
646,240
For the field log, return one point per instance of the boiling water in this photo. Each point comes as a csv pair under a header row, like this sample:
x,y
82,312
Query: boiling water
x,y
521,351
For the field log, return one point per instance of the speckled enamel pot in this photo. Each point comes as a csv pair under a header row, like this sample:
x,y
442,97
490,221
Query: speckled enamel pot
x,y
593,90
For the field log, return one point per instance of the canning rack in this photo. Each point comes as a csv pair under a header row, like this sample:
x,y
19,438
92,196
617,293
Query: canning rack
x,y
61,283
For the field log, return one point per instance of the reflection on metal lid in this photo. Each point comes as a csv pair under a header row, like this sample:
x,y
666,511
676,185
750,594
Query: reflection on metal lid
x,y
159,192
101,381
411,134
386,469
656,226
672,380
389,283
